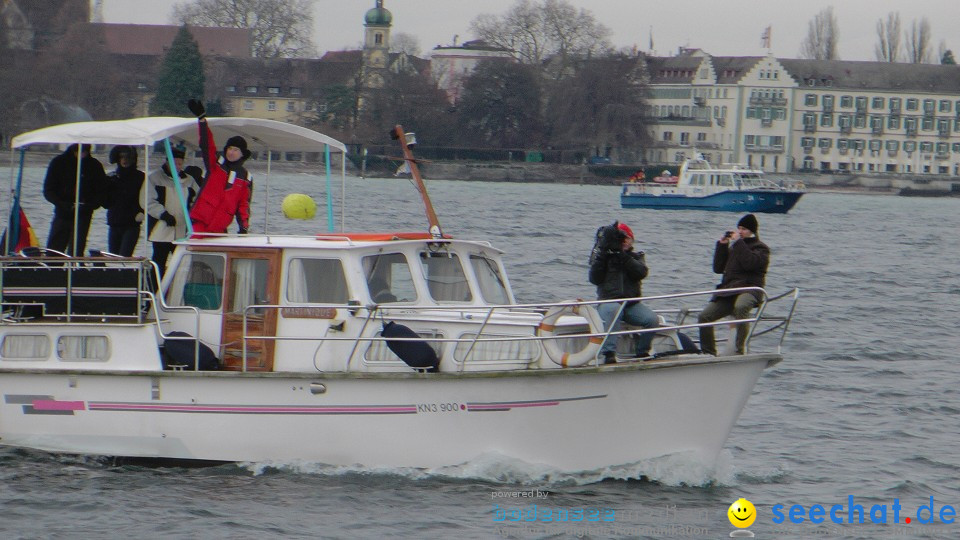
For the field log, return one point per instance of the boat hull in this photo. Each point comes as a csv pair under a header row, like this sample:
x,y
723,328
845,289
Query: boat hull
x,y
572,420
769,202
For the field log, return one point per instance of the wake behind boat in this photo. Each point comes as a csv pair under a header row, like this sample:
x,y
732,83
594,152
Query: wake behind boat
x,y
385,349
701,186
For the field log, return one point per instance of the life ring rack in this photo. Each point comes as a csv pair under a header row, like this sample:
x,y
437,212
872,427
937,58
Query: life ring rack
x,y
551,346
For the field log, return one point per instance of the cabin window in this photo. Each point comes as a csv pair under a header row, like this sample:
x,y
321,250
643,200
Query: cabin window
x,y
248,284
25,347
198,281
493,288
316,281
726,180
74,348
445,278
389,279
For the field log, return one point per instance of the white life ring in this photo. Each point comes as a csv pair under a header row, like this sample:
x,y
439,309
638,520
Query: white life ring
x,y
552,346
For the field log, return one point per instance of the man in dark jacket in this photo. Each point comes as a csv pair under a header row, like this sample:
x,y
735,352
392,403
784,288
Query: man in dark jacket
x,y
60,188
124,213
742,259
617,271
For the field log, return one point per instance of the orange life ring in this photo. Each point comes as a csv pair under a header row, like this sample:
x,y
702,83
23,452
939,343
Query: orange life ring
x,y
552,346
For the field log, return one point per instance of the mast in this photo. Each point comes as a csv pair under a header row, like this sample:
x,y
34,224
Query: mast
x,y
407,141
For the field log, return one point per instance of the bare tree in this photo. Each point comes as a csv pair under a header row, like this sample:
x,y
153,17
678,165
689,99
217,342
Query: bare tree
x,y
538,31
405,43
822,35
281,28
918,42
888,38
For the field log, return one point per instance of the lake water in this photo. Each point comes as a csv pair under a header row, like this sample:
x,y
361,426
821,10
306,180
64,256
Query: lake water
x,y
865,403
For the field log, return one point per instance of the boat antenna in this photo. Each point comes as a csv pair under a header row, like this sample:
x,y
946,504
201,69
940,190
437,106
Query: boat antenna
x,y
407,142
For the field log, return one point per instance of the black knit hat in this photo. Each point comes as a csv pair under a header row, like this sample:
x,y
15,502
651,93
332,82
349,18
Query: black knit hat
x,y
749,221
240,143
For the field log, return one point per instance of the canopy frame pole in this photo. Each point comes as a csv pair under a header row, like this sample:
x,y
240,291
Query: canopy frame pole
x,y
13,224
343,189
326,160
175,174
76,208
266,192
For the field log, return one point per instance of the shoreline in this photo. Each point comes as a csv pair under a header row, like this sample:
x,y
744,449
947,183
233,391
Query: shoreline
x,y
550,173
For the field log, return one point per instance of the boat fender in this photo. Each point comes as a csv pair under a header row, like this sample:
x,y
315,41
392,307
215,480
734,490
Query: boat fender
x,y
417,354
552,346
179,352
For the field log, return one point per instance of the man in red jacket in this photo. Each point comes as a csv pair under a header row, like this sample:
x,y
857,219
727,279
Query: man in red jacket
x,y
227,190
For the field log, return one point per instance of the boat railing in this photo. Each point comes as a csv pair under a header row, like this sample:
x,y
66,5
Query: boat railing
x,y
101,288
528,317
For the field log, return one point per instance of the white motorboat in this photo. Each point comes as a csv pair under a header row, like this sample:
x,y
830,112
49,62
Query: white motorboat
x,y
384,349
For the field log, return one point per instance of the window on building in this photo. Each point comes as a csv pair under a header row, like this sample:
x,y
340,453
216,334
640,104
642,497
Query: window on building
x,y
701,137
893,122
844,121
684,138
230,88
842,144
861,103
876,103
751,112
826,120
927,124
809,119
273,89
956,148
943,148
910,124
807,142
271,105
810,100
909,146
944,105
928,105
846,102
291,106
926,146
860,121
895,104
876,145
378,38
294,91
668,135
141,86
825,143
912,104
858,144
748,140
893,146
827,102
251,89
248,104
228,106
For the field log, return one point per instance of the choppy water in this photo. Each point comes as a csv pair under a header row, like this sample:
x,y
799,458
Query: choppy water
x,y
865,403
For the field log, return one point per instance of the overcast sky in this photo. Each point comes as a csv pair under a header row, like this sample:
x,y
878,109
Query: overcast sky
x,y
720,27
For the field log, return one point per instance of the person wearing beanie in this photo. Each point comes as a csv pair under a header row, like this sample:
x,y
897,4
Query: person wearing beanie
x,y
743,260
166,219
122,201
616,269
69,208
228,186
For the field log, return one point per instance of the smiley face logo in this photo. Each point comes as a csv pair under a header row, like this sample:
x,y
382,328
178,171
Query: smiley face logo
x,y
742,513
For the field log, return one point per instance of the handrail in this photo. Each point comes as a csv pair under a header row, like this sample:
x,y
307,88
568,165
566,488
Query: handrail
x,y
422,313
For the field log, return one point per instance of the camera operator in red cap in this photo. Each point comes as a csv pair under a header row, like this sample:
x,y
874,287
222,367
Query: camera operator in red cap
x,y
742,259
616,269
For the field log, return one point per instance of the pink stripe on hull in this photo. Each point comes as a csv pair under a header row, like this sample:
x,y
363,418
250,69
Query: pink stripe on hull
x,y
54,405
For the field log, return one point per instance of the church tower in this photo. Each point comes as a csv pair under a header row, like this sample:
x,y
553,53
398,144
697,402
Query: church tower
x,y
376,46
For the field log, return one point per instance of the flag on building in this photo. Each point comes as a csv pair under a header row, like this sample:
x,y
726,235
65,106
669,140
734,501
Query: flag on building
x,y
765,37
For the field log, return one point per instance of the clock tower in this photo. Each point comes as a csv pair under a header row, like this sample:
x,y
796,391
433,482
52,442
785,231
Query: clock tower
x,y
376,46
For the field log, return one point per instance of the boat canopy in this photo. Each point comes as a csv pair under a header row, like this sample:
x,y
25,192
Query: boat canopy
x,y
262,133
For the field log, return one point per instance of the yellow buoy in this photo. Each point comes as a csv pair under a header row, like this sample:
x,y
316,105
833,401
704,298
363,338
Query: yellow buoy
x,y
299,206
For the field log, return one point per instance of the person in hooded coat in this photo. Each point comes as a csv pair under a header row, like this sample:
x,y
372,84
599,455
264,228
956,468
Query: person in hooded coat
x,y
167,219
227,188
122,201
60,188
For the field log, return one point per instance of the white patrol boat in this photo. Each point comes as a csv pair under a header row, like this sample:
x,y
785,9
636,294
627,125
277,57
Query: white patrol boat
x,y
702,186
384,349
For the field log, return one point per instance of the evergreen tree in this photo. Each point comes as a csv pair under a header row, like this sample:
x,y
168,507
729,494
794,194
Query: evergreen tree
x,y
947,58
181,76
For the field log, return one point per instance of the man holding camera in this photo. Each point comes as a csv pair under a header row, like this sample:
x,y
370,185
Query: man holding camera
x,y
742,259
617,270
